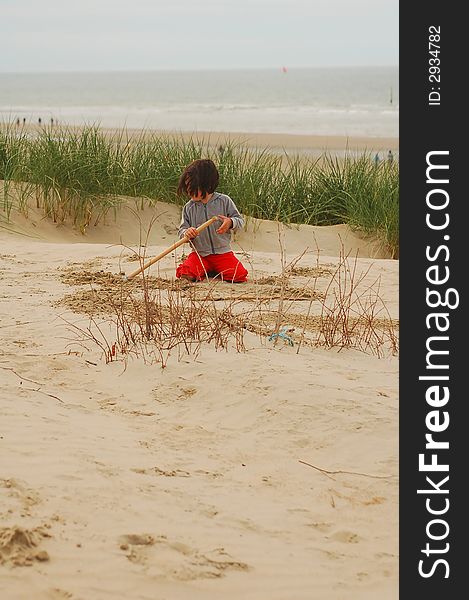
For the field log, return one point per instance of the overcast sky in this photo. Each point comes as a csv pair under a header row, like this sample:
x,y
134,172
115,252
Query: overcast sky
x,y
71,35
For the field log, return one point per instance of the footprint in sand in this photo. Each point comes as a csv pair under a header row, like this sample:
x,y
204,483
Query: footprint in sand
x,y
187,392
134,545
321,526
347,537
173,560
58,594
16,497
136,539
162,472
170,395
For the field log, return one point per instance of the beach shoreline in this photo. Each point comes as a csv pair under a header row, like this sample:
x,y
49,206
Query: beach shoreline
x,y
290,143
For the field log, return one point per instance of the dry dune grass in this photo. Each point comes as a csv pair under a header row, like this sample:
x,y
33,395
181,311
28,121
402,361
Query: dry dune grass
x,y
151,316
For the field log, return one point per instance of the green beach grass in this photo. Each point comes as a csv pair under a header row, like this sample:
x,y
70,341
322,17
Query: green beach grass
x,y
80,175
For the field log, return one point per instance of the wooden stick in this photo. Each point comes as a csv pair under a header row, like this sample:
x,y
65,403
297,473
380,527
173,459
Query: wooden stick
x,y
326,472
183,240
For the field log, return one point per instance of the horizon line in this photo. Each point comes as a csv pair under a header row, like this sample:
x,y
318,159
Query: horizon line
x,y
197,69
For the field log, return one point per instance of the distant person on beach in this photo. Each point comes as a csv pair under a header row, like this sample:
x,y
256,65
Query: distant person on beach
x,y
211,254
17,122
24,120
51,120
390,157
376,159
39,121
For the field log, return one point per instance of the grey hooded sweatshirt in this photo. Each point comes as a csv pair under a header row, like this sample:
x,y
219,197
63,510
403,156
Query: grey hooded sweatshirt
x,y
209,241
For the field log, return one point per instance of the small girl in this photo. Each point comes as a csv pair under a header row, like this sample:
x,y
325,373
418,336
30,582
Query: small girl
x,y
212,254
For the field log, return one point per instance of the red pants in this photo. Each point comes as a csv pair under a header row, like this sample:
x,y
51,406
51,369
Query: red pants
x,y
226,265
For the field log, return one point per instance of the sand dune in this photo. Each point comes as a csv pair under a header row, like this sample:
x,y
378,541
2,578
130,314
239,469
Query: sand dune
x,y
158,225
264,474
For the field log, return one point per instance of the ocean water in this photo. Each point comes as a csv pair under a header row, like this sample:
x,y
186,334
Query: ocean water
x,y
321,101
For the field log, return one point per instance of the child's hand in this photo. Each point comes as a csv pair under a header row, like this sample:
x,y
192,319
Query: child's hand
x,y
227,224
191,233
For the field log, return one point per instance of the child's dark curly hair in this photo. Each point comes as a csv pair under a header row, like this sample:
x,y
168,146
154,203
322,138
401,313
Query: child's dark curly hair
x,y
200,175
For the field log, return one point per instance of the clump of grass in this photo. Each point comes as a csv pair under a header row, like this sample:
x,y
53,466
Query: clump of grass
x,y
353,315
157,324
154,324
369,200
13,155
153,318
81,174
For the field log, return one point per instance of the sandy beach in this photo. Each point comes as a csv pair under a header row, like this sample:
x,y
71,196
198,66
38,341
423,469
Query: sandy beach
x,y
291,144
316,144
265,473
